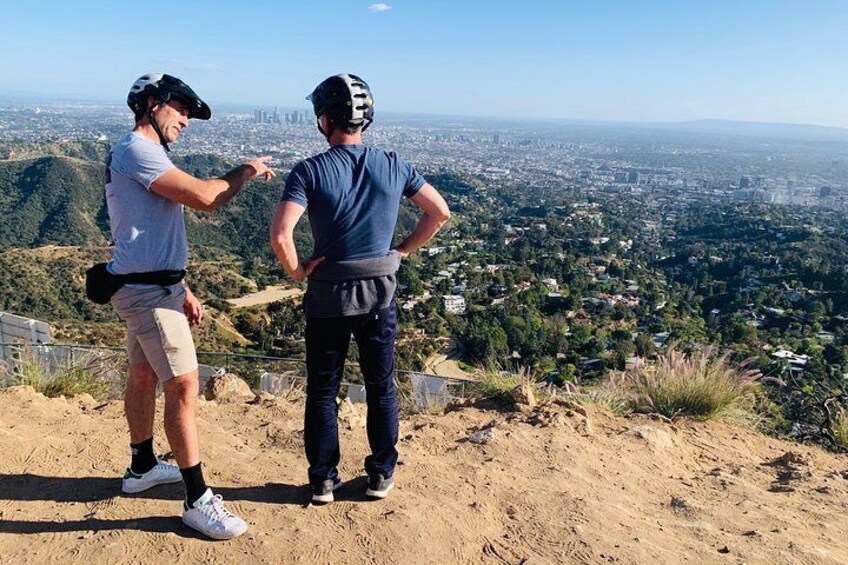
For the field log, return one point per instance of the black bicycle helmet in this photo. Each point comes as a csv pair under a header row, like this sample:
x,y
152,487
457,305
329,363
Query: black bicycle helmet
x,y
163,87
344,98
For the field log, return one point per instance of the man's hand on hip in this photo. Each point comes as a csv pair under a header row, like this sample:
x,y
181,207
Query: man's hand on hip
x,y
305,269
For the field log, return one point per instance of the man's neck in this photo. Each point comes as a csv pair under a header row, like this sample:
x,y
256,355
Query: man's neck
x,y
144,128
344,138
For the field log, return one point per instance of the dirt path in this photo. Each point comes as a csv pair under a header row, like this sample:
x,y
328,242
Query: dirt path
x,y
445,363
266,296
550,486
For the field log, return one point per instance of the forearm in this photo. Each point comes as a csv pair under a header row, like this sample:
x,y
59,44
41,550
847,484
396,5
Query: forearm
x,y
223,189
427,227
286,253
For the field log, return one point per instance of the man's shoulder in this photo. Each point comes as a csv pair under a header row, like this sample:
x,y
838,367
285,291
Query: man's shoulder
x,y
137,146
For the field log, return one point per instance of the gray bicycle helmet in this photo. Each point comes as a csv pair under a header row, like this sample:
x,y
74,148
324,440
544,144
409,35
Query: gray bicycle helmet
x,y
344,98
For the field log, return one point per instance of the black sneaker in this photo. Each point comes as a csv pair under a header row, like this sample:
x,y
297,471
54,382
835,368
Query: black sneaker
x,y
379,486
322,492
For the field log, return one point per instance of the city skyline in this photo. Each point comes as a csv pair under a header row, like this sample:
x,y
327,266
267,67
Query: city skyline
x,y
611,61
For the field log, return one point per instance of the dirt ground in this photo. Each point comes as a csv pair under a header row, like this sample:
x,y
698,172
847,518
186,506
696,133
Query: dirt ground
x,y
558,484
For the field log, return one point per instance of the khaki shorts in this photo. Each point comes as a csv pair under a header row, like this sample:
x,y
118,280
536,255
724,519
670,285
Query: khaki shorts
x,y
157,329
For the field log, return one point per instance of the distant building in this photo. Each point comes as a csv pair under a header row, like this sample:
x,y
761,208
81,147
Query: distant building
x,y
795,361
552,284
454,304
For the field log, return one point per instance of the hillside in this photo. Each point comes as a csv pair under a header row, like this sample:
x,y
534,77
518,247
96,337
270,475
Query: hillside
x,y
54,192
550,486
51,200
47,283
58,200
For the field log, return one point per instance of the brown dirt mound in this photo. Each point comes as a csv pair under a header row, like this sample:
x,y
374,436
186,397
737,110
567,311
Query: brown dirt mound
x,y
553,485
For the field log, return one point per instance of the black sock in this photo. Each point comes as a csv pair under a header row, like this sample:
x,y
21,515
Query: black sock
x,y
194,483
143,458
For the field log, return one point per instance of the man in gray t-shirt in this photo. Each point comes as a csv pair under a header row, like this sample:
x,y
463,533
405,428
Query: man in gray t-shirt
x,y
146,195
148,230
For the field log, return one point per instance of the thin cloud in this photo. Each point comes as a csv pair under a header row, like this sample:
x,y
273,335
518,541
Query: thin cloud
x,y
379,7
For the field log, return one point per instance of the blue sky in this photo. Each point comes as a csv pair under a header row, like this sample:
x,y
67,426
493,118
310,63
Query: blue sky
x,y
775,61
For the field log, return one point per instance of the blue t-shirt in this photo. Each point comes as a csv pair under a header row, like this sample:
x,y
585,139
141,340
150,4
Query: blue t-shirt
x,y
352,195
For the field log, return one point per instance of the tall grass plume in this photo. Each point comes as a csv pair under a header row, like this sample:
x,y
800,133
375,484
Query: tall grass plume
x,y
700,384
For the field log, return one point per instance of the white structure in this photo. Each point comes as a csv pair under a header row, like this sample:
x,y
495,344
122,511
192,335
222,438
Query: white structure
x,y
552,284
796,361
454,304
17,329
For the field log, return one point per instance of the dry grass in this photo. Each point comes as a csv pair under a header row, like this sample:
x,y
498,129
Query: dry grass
x,y
92,374
700,384
495,384
839,429
612,399
295,392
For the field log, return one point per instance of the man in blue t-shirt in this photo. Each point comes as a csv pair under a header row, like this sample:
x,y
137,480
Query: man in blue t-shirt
x,y
352,194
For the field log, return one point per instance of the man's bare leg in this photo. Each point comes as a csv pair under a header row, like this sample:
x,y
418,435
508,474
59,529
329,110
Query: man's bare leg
x,y
140,401
180,422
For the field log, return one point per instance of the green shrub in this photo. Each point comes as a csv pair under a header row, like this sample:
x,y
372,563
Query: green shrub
x,y
496,385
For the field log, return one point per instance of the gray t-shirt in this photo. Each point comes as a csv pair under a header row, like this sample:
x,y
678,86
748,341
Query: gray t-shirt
x,y
148,230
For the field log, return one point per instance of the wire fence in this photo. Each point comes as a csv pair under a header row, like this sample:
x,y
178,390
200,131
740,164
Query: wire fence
x,y
275,375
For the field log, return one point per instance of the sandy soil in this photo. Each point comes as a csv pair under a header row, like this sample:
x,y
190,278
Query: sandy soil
x,y
550,486
270,294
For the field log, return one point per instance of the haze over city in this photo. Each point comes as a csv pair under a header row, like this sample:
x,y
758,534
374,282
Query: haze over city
x,y
611,61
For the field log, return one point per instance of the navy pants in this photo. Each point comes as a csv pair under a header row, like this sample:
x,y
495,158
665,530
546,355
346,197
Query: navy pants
x,y
327,341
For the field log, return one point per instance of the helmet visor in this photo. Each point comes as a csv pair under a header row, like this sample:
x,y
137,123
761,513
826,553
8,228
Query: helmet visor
x,y
175,87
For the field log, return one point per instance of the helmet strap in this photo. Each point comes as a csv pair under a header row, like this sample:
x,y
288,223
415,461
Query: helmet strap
x,y
156,127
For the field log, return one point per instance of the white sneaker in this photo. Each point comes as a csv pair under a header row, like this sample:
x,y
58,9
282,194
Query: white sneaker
x,y
209,516
161,474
